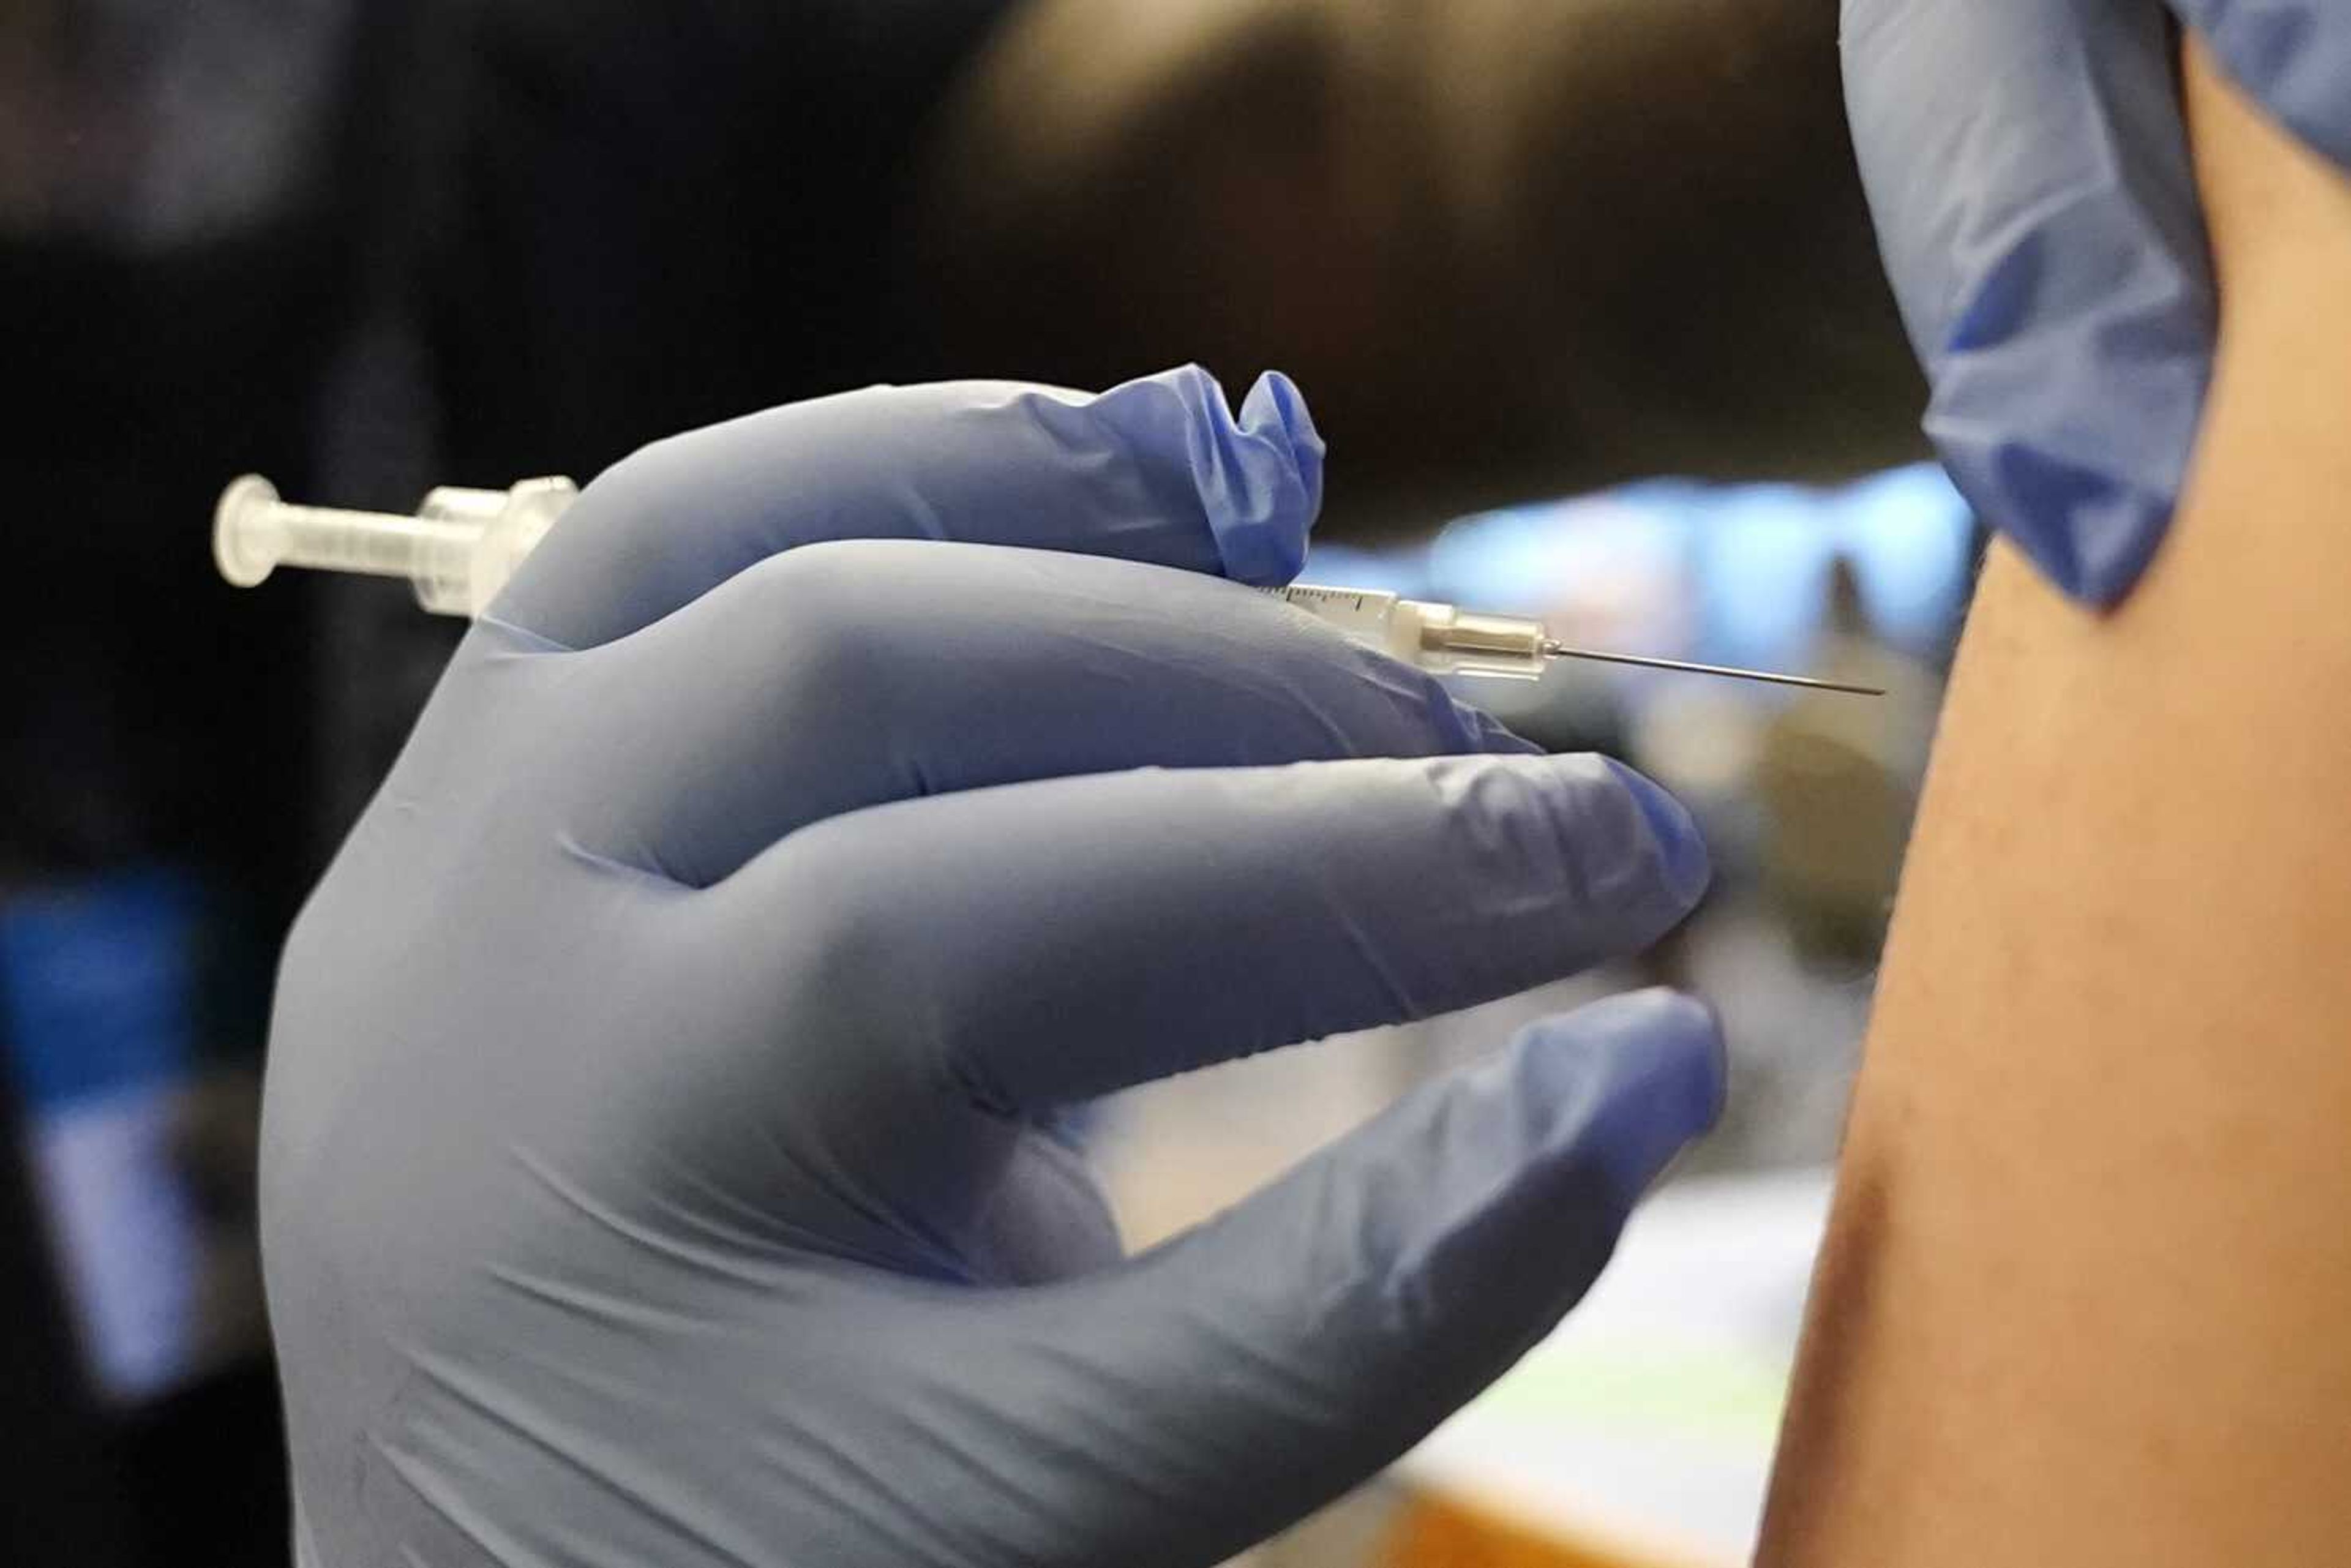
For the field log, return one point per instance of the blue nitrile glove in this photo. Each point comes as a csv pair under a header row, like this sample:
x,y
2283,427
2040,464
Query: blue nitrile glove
x,y
2028,168
661,1156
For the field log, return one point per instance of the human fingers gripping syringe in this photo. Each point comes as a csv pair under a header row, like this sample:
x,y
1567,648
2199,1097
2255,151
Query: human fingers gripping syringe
x,y
462,544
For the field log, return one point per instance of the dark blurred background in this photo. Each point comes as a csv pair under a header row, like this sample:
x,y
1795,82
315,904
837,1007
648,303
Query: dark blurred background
x,y
1514,252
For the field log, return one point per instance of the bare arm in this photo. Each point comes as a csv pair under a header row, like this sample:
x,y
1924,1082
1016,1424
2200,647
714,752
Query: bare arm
x,y
2084,1292
1508,245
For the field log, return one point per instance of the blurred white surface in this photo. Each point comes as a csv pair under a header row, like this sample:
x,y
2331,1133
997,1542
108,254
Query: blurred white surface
x,y
1648,1420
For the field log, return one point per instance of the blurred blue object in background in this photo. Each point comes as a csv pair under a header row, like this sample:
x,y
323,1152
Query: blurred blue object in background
x,y
95,983
1733,573
1764,557
103,1018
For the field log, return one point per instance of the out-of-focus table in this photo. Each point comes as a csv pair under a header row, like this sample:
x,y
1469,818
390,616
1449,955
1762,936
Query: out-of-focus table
x,y
1639,1435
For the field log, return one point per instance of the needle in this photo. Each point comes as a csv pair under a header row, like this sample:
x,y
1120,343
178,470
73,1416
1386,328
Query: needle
x,y
1556,650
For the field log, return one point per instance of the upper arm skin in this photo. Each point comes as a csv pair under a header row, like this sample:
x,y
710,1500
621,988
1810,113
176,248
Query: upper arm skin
x,y
2087,1297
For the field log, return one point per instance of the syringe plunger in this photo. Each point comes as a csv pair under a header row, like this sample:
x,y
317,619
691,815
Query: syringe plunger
x,y
457,551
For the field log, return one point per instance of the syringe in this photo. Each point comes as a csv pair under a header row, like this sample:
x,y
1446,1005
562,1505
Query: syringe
x,y
462,544
457,551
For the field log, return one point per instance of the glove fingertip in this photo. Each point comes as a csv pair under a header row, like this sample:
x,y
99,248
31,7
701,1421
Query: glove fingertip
x,y
1275,409
2090,533
1260,477
1681,850
1543,1154
1640,1076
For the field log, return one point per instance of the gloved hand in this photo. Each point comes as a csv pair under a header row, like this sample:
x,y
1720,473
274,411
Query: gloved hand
x,y
2027,168
662,1156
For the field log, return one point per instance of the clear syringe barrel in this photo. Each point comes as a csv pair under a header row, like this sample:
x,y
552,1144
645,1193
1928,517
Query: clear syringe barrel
x,y
1439,638
456,552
